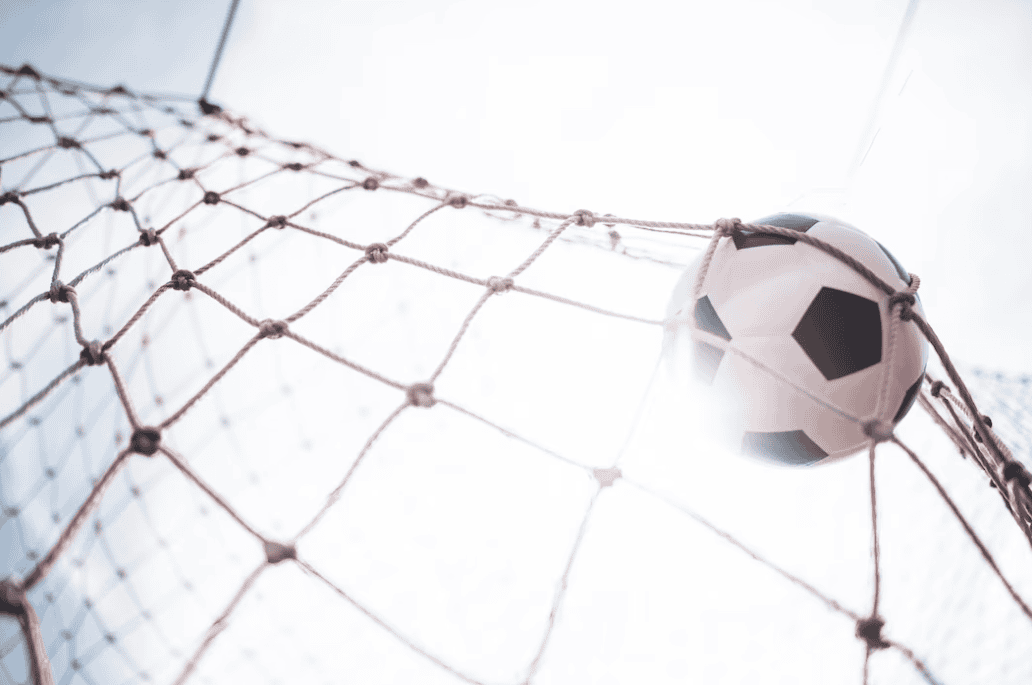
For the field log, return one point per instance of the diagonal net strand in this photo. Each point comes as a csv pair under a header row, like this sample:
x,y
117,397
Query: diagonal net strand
x,y
234,139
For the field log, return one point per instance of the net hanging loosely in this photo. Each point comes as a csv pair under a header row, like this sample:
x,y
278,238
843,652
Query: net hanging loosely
x,y
269,415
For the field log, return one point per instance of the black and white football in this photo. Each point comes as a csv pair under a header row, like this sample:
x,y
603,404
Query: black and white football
x,y
793,345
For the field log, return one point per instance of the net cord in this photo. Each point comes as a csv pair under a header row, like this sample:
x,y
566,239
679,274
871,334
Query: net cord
x,y
989,452
218,51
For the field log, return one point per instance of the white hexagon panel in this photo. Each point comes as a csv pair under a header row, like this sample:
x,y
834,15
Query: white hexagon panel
x,y
790,345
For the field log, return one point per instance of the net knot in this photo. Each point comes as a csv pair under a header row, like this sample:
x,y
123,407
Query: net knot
x,y
148,237
1017,472
905,299
41,120
59,292
869,630
211,198
207,107
584,217
12,597
160,154
108,175
9,196
293,166
67,143
271,328
120,204
30,71
355,163
498,284
878,430
726,228
420,182
377,253
370,183
606,477
183,279
421,395
186,174
278,221
936,388
242,151
93,354
145,440
276,552
458,201
46,242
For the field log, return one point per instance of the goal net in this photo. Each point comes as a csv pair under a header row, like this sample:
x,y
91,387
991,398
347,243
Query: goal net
x,y
269,415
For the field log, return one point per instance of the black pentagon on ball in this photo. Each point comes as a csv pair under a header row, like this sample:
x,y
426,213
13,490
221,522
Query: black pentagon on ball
x,y
840,333
908,399
707,360
796,222
707,319
793,448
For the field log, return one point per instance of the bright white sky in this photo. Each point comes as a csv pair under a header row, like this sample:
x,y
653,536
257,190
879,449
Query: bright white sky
x,y
669,111
681,112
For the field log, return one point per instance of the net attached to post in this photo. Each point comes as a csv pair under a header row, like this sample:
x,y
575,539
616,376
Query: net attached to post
x,y
271,415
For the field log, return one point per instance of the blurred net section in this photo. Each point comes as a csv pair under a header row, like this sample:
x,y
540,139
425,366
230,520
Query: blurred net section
x,y
267,415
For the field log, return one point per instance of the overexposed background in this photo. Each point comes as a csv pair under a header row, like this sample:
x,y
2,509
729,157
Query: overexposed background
x,y
682,112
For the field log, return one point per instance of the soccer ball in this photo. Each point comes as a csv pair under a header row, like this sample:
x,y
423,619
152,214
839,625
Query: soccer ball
x,y
791,344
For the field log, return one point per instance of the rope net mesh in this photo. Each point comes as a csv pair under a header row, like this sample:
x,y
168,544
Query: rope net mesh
x,y
267,415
